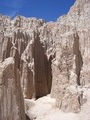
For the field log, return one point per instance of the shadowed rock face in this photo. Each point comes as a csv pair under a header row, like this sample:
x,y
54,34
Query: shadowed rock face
x,y
11,99
51,57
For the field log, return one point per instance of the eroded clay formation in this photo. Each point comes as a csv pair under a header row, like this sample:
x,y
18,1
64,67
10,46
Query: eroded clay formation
x,y
51,57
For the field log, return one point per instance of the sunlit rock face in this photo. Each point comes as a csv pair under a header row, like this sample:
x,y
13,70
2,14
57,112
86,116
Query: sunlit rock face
x,y
70,68
52,57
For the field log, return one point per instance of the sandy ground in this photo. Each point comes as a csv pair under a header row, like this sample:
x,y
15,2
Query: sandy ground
x,y
44,109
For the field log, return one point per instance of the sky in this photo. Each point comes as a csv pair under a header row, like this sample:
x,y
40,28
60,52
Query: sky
x,y
49,10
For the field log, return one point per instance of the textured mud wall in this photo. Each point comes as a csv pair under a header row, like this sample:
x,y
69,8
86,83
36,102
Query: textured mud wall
x,y
11,99
52,57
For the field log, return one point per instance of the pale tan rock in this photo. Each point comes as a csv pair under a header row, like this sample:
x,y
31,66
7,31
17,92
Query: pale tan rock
x,y
27,82
71,100
11,99
15,54
5,48
50,56
71,66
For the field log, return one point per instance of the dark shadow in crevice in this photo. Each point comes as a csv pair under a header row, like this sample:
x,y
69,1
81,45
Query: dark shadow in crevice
x,y
27,118
78,58
42,68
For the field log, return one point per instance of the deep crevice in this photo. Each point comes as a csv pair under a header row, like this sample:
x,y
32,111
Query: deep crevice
x,y
42,68
78,58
